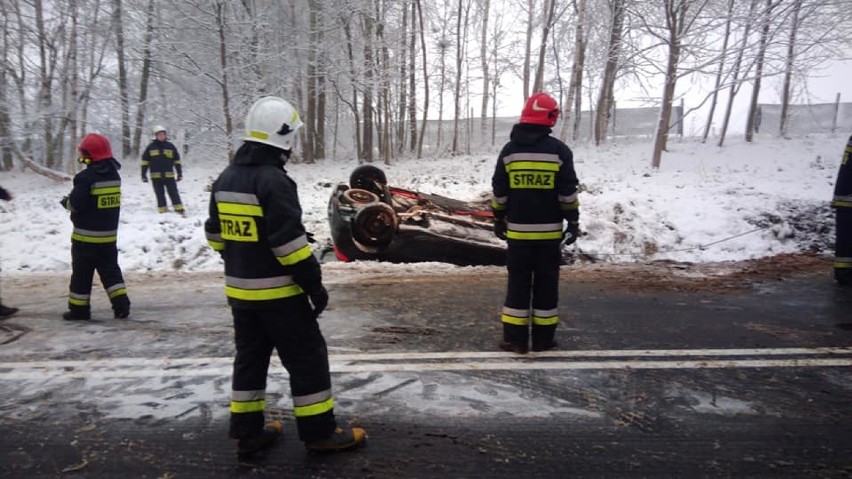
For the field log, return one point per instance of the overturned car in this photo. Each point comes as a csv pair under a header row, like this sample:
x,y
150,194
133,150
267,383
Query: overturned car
x,y
370,220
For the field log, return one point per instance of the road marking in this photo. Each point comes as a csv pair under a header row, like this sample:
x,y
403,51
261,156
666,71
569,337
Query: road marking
x,y
448,361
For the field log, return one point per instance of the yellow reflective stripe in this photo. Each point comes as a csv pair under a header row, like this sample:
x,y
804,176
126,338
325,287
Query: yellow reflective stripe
x,y
314,409
240,209
497,206
94,239
534,235
106,191
514,320
217,245
296,256
532,165
242,407
570,206
842,265
78,302
549,321
117,292
841,204
144,162
263,294
260,135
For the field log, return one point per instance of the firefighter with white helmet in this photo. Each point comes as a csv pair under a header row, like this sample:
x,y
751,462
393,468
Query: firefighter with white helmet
x,y
274,286
163,160
535,190
842,204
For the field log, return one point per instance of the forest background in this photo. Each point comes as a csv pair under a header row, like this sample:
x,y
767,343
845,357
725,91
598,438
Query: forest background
x,y
377,80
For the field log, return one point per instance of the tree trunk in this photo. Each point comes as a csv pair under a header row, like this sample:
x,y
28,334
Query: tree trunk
x,y
486,79
461,41
425,79
675,16
144,80
735,75
606,96
549,13
719,72
574,100
45,89
5,126
403,81
788,70
528,47
309,146
367,115
758,73
412,81
123,94
223,82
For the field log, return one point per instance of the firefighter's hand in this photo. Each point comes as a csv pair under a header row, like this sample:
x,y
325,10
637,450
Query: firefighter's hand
x,y
572,231
179,177
319,300
500,228
144,179
64,202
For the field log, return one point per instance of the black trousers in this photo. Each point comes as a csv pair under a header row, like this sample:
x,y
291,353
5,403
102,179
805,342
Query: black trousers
x,y
294,332
843,246
86,258
163,185
533,290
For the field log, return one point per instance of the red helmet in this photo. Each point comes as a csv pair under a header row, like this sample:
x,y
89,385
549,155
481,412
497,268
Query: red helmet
x,y
540,109
95,147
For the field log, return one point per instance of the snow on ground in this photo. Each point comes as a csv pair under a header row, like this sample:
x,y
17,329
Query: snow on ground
x,y
773,193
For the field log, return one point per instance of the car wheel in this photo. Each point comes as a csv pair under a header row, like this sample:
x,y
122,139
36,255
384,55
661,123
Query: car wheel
x,y
370,178
374,227
355,196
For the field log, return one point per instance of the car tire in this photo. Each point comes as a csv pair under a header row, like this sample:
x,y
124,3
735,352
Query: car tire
x,y
370,178
357,196
374,227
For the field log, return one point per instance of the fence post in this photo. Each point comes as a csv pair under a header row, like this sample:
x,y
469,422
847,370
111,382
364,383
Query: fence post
x,y
836,110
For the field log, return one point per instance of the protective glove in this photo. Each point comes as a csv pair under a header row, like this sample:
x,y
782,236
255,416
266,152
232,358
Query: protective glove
x,y
319,300
180,177
500,228
64,202
144,179
571,233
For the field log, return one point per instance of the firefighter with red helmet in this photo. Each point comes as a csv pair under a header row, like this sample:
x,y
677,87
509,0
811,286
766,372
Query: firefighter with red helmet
x,y
274,287
842,204
95,204
163,159
535,190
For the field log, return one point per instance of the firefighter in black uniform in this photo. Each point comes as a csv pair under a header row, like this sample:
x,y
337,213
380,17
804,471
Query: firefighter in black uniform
x,y
842,204
163,159
274,287
95,204
535,189
6,311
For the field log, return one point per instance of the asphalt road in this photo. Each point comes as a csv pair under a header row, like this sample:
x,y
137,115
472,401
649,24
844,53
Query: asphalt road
x,y
663,371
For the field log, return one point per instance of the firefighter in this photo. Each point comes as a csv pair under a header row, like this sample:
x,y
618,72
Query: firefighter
x,y
535,189
6,311
274,286
842,205
95,204
163,159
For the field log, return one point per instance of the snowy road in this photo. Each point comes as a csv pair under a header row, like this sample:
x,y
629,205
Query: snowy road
x,y
659,373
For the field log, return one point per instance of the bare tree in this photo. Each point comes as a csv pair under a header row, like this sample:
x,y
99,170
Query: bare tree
x,y
788,70
758,74
575,87
735,81
144,79
606,95
719,72
123,93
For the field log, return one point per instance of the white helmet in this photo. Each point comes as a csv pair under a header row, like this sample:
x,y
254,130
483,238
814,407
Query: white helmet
x,y
157,128
273,121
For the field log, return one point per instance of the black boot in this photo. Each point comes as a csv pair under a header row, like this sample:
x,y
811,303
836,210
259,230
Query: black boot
x,y
76,316
247,447
6,311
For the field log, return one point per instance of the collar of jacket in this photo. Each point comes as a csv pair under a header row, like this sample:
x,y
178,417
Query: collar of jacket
x,y
528,133
251,153
105,166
